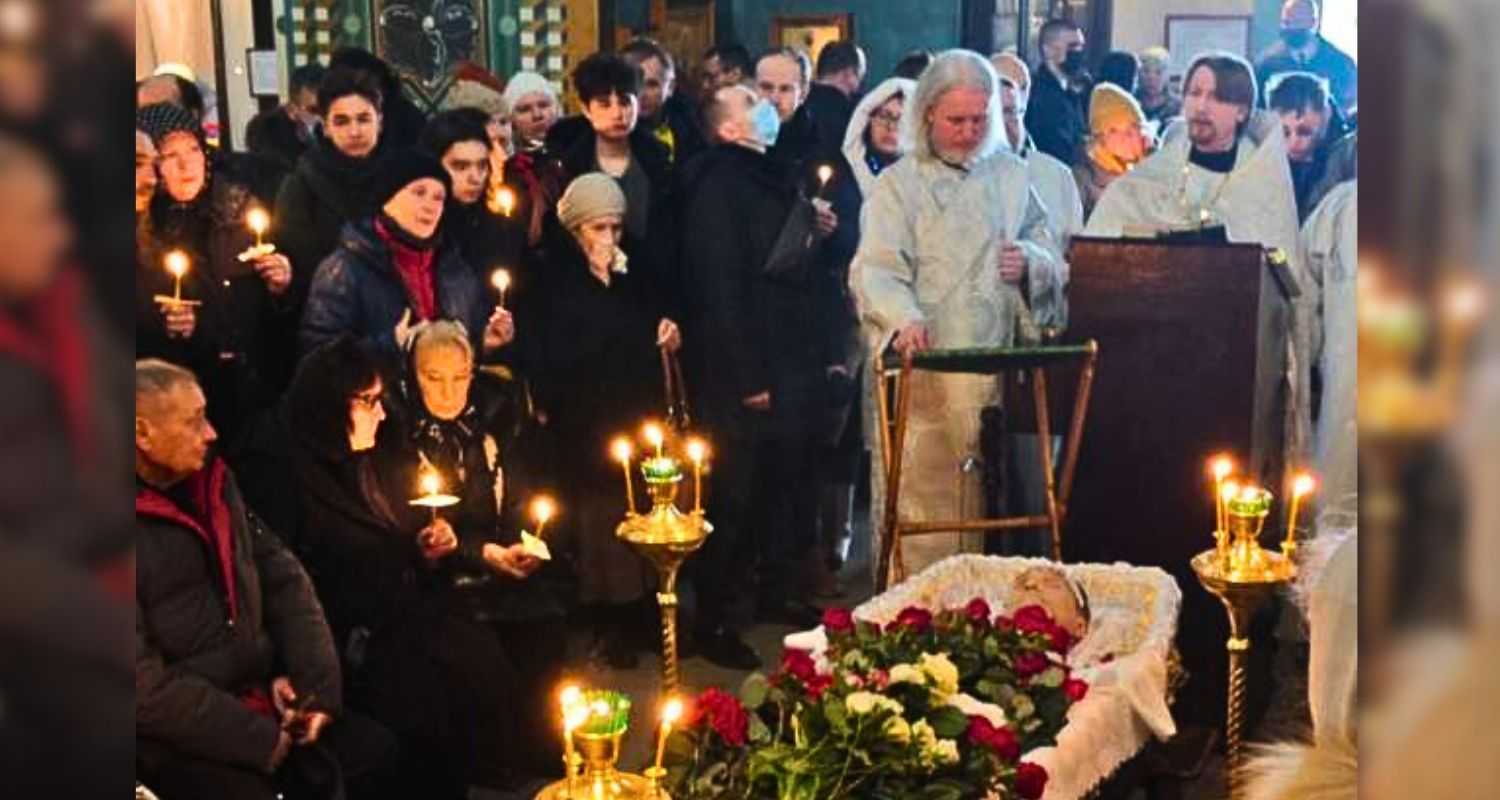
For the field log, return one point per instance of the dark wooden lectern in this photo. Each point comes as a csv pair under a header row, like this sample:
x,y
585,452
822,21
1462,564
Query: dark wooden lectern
x,y
1194,340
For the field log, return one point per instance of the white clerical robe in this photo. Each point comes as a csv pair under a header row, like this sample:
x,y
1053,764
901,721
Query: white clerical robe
x,y
1058,190
930,253
1330,242
1255,203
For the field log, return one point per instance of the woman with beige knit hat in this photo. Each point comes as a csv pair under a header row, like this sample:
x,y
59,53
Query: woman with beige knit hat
x,y
1119,138
600,325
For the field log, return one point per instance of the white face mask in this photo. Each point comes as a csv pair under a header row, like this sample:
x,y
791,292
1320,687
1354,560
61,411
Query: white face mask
x,y
765,122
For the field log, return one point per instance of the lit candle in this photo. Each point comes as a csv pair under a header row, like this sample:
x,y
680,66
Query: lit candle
x,y
669,715
507,200
655,437
1302,485
431,485
501,280
1227,492
177,264
574,713
621,449
258,220
824,173
542,509
697,451
1221,466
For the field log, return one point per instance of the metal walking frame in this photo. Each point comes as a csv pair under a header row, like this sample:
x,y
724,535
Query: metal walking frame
x,y
895,382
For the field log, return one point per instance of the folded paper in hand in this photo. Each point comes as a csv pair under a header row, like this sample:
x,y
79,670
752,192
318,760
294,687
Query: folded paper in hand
x,y
535,547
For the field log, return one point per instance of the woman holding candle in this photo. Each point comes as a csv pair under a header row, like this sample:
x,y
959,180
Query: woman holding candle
x,y
233,332
468,428
413,659
395,271
602,326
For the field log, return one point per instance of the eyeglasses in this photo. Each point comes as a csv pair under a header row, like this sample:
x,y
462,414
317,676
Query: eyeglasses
x,y
369,400
886,120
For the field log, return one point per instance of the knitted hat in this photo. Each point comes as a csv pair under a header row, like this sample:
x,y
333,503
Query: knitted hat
x,y
474,87
590,196
524,83
1110,105
160,120
403,168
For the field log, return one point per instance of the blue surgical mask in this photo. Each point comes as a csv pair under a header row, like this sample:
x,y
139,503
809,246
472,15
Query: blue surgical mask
x,y
765,121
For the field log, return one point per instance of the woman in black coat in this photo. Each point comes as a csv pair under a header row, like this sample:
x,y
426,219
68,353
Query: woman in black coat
x,y
472,430
334,181
233,333
603,328
412,659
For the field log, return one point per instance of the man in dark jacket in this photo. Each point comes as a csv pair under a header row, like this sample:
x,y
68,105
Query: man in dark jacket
x,y
831,98
781,78
237,679
1301,48
1058,114
666,113
758,365
285,132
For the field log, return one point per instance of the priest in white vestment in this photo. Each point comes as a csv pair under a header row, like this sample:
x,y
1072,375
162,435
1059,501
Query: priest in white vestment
x,y
955,253
1052,179
1330,249
1225,164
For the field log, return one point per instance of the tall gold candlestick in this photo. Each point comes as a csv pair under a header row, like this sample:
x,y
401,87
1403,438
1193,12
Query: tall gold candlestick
x,y
621,449
697,451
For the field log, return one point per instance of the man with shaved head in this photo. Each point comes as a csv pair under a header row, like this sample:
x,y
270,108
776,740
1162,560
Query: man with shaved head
x,y
1303,49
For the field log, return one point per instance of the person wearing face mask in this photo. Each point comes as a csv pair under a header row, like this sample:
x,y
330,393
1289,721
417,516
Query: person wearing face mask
x,y
609,89
233,333
781,78
334,180
1057,112
757,366
1222,171
284,133
393,271
1118,140
1302,48
412,658
956,252
1311,124
603,324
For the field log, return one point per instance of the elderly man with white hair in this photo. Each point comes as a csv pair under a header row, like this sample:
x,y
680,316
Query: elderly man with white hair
x,y
956,253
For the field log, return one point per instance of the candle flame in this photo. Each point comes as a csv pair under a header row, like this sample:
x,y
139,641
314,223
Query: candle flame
x,y
507,200
600,708
431,483
697,450
1230,490
824,173
1303,485
177,263
1249,493
501,279
542,509
259,220
653,434
1221,466
671,712
569,696
620,448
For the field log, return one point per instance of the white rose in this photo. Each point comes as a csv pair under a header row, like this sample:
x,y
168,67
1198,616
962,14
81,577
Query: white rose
x,y
946,752
971,707
861,702
944,673
924,735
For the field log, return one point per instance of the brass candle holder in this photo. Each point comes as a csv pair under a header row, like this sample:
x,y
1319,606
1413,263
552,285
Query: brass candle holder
x,y
665,536
1243,575
591,772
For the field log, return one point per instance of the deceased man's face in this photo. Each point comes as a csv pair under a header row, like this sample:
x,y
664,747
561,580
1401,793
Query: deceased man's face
x,y
1049,588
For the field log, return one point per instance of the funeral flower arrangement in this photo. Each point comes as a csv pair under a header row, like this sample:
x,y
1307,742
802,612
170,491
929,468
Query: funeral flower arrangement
x,y
937,706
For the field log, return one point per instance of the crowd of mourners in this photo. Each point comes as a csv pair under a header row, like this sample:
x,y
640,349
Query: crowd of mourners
x,y
301,625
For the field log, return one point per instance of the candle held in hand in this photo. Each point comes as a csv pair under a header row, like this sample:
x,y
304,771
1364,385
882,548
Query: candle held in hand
x,y
542,510
500,279
824,173
507,200
177,264
259,221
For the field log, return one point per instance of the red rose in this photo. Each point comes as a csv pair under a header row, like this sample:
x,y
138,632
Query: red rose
x,y
838,620
817,685
799,664
1031,781
917,620
1075,689
1002,741
1004,623
880,679
725,715
1028,664
1061,639
978,611
1033,619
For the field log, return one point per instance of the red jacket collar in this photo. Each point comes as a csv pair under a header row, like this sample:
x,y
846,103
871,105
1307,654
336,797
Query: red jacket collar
x,y
205,488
